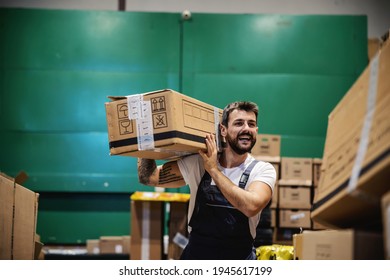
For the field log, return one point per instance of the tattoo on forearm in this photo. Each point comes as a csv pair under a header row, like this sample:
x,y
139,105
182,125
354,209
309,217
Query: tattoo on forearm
x,y
166,175
146,168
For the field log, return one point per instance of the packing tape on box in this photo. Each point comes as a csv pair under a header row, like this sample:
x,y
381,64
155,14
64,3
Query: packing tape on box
x,y
145,239
365,133
140,111
296,217
216,126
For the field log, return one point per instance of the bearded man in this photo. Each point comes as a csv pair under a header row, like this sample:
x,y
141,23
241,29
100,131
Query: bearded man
x,y
228,190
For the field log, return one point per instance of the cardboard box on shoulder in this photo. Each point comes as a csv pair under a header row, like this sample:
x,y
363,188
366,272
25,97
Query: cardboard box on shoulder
x,y
355,170
162,124
18,219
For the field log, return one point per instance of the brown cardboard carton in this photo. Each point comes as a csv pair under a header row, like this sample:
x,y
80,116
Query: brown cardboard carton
x,y
111,245
177,224
294,218
93,246
6,216
294,197
374,45
147,223
126,239
146,230
18,219
25,222
296,171
345,244
267,148
356,164
386,223
316,171
275,196
161,124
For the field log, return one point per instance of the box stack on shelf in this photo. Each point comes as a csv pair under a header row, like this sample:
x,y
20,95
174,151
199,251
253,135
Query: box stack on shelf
x,y
354,181
267,148
295,198
297,181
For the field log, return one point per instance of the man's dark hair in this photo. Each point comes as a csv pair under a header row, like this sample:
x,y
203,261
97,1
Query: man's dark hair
x,y
238,105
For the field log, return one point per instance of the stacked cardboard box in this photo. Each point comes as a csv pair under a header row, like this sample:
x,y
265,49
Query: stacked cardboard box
x,y
18,219
356,163
345,244
267,148
109,245
354,172
148,222
295,192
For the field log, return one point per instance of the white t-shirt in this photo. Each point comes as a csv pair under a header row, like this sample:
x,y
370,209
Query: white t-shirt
x,y
192,169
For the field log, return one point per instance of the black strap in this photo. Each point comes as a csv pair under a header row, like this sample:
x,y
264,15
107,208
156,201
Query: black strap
x,y
245,176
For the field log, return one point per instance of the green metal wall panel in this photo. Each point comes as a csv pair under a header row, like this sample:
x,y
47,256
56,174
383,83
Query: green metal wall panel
x,y
57,70
72,218
295,67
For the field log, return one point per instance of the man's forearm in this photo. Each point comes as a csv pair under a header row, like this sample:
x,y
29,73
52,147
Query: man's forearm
x,y
146,169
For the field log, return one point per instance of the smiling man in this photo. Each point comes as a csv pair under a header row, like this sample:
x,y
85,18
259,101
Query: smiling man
x,y
228,189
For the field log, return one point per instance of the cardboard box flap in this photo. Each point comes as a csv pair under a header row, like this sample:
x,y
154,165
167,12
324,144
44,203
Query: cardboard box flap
x,y
117,97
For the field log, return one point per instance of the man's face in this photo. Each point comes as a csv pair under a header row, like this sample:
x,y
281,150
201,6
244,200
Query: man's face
x,y
241,131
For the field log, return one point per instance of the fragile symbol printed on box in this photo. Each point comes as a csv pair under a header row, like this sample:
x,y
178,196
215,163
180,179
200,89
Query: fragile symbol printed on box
x,y
125,125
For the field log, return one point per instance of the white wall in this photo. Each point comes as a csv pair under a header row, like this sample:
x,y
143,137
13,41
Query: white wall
x,y
377,11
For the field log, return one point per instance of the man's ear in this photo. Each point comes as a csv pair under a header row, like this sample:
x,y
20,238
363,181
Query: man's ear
x,y
222,130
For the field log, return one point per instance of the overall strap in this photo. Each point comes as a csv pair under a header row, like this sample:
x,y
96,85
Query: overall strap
x,y
245,175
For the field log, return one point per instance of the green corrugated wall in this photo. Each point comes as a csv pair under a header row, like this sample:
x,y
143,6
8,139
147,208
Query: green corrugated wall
x,y
58,67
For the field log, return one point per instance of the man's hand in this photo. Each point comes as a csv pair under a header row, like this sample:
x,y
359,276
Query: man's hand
x,y
210,157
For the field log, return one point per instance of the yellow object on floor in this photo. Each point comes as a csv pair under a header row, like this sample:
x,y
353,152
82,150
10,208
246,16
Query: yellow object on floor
x,y
275,252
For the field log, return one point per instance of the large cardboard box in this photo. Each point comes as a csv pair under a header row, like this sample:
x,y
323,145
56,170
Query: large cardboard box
x,y
294,218
355,171
296,197
146,230
177,228
386,223
18,219
296,171
148,221
316,171
6,216
111,245
275,196
345,244
93,246
267,148
161,124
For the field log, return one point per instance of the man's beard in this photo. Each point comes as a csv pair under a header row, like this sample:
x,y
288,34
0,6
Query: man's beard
x,y
234,144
